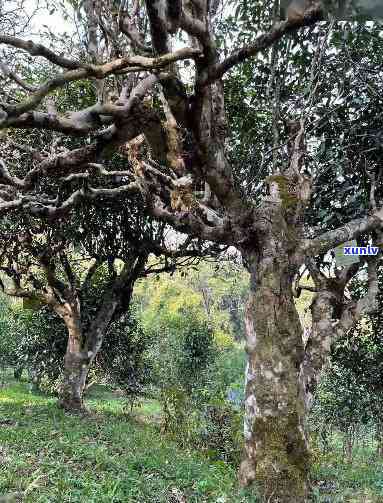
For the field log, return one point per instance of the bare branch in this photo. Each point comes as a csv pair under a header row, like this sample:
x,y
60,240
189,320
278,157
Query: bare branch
x,y
19,81
90,273
5,207
98,72
36,154
367,304
187,222
174,11
331,239
6,178
128,26
35,207
73,281
157,14
39,50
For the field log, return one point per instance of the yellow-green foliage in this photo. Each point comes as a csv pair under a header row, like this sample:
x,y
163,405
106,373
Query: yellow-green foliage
x,y
33,303
199,291
223,339
166,298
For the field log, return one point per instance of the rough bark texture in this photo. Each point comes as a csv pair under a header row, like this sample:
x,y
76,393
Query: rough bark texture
x,y
82,349
84,343
276,451
319,342
332,316
76,367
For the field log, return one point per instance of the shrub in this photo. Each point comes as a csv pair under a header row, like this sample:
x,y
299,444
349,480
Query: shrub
x,y
41,346
123,358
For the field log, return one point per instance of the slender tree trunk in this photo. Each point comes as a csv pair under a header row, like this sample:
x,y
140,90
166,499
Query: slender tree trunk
x,y
35,379
81,350
318,345
18,372
350,437
379,438
276,449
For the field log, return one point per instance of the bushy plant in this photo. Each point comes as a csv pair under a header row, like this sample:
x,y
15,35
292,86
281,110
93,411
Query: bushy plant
x,y
41,346
183,352
349,397
123,358
200,398
221,436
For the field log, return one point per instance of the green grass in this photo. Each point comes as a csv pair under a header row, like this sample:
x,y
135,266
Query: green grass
x,y
112,456
47,456
358,481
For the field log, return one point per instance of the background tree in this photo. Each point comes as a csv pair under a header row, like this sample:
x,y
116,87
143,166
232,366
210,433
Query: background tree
x,y
84,271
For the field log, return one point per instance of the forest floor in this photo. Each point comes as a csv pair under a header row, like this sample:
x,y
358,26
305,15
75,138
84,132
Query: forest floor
x,y
111,456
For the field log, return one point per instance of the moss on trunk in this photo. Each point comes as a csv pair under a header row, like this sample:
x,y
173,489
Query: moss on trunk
x,y
276,457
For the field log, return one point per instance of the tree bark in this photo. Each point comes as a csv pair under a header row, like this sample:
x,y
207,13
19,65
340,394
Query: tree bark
x,y
318,346
276,453
76,366
83,345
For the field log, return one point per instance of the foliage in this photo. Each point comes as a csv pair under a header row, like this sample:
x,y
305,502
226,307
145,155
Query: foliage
x,y
349,396
217,291
284,82
342,402
359,480
198,366
41,344
8,340
39,340
123,358
183,342
185,351
220,435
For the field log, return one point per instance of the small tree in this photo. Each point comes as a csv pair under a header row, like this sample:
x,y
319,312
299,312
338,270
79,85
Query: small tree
x,y
8,342
83,270
351,393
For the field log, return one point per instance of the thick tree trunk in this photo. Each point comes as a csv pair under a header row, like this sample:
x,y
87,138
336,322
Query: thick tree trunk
x,y
276,453
76,366
83,347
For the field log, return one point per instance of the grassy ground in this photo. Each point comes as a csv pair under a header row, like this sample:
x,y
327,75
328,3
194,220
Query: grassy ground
x,y
46,456
358,481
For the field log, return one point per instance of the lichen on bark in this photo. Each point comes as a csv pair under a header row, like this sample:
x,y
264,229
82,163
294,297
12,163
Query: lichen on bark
x,y
276,450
